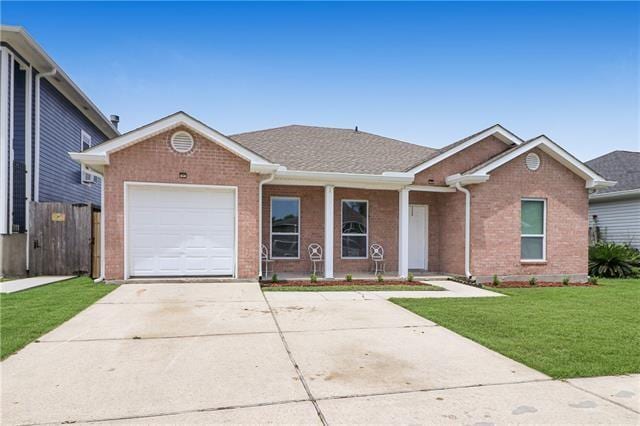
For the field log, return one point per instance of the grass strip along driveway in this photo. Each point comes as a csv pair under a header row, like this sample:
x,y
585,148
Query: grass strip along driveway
x,y
354,287
563,332
27,315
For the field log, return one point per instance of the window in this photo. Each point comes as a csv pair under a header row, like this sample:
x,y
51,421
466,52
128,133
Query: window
x,y
355,221
533,216
285,228
85,144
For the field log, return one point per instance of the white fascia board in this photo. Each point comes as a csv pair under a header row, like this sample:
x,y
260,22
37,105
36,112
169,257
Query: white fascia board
x,y
629,193
466,179
430,188
350,180
87,159
593,180
500,132
263,168
175,120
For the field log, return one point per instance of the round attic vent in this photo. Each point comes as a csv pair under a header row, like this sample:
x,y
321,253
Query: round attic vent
x,y
532,161
181,142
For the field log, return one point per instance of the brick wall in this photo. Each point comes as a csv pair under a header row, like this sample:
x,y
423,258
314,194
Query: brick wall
x,y
495,222
153,160
462,161
383,225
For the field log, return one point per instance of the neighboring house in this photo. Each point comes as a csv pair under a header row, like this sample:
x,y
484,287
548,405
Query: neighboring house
x,y
182,199
43,115
614,212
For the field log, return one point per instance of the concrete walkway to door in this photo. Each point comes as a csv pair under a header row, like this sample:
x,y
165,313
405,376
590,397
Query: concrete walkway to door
x,y
215,353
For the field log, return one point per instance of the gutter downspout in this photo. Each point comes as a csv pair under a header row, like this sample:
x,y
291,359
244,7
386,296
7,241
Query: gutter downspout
x,y
262,182
467,229
102,224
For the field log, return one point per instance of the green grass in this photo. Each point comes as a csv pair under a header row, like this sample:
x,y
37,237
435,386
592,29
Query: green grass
x,y
355,287
563,332
27,315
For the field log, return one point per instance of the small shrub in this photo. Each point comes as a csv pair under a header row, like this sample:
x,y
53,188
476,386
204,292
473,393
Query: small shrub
x,y
533,281
380,278
593,280
410,277
565,281
496,281
314,278
349,277
274,278
611,260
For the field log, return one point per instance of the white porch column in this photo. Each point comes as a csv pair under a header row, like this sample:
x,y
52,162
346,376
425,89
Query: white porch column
x,y
403,233
328,231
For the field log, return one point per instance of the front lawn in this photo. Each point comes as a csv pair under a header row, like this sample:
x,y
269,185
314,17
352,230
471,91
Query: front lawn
x,y
355,287
27,315
562,332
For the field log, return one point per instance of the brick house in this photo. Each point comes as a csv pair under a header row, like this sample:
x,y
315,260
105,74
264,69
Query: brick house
x,y
181,199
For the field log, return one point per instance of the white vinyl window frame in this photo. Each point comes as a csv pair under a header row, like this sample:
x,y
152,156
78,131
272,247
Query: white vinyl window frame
x,y
85,178
544,231
342,234
271,233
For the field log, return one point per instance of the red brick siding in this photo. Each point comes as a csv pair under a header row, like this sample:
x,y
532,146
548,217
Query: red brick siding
x,y
383,228
311,221
153,160
383,225
462,161
495,223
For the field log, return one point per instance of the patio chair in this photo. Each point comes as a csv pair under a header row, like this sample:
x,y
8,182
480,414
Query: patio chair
x,y
315,255
377,256
266,259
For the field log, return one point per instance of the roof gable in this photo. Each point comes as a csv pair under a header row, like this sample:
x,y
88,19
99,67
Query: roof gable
x,y
481,173
497,130
98,155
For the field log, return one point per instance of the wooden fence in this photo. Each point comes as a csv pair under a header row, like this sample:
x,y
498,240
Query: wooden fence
x,y
60,239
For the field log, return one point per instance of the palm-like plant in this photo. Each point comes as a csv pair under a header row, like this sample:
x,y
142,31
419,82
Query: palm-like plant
x,y
613,260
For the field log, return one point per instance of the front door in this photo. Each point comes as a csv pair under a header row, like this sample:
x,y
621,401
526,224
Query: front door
x,y
418,231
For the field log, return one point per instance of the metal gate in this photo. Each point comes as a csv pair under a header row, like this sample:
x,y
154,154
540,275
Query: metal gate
x,y
60,239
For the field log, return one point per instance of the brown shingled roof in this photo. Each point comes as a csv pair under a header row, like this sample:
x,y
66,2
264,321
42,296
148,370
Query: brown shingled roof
x,y
324,149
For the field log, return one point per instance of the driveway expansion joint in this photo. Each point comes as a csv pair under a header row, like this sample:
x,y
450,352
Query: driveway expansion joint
x,y
295,365
602,397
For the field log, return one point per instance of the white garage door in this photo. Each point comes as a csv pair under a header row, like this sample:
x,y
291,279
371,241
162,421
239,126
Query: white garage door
x,y
180,231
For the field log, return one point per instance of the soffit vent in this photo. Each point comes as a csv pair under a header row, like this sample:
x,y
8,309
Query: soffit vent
x,y
532,161
182,142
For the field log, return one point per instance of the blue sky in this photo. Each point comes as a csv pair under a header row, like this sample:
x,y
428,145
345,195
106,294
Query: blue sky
x,y
428,73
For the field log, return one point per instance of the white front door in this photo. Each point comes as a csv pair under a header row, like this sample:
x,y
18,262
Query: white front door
x,y
180,230
418,236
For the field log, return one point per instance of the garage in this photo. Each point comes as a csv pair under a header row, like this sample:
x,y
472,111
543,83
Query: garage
x,y
180,230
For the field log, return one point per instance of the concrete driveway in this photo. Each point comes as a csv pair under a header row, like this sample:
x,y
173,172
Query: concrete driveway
x,y
222,353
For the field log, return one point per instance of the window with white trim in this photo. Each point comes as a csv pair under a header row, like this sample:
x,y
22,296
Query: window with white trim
x,y
533,217
285,228
85,144
355,232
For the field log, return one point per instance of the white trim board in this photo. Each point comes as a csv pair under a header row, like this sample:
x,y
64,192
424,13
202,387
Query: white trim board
x,y
99,154
593,180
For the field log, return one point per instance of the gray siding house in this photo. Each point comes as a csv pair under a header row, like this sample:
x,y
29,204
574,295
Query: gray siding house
x,y
614,213
43,115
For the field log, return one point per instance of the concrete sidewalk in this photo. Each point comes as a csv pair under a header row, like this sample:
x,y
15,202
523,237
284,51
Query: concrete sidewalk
x,y
226,353
27,283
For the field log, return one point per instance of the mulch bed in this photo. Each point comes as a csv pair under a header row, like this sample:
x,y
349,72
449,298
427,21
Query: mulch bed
x,y
307,283
525,284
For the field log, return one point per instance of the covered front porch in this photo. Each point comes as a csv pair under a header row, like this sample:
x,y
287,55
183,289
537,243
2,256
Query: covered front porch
x,y
420,228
